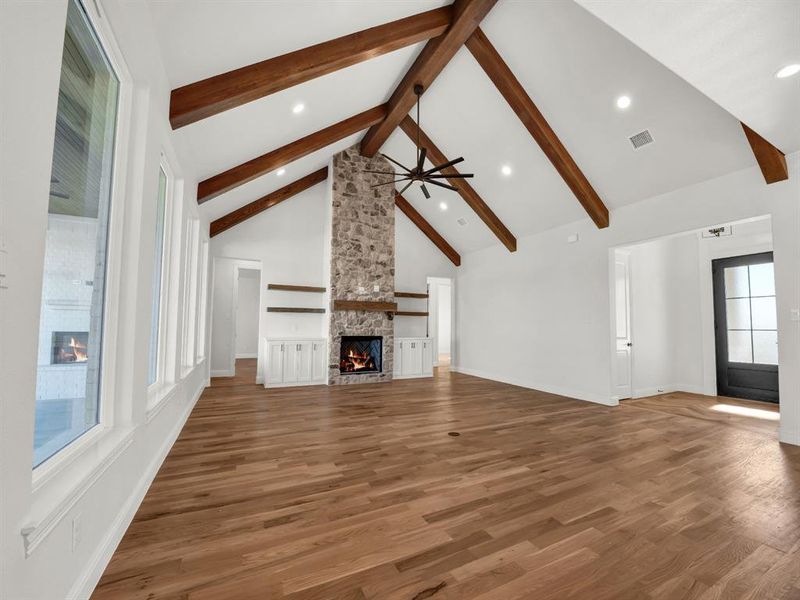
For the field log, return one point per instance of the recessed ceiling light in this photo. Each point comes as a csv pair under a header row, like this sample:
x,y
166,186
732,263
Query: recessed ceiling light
x,y
788,71
280,172
442,205
505,170
298,108
623,102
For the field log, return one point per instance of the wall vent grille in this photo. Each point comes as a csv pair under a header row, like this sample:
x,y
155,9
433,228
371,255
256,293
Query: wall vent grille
x,y
641,139
462,221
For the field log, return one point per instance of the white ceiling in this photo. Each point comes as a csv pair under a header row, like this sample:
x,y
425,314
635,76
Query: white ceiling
x,y
571,63
730,51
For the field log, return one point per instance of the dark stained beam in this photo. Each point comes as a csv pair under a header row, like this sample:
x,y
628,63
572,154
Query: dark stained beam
x,y
467,15
196,101
771,160
232,178
466,191
519,101
428,230
268,201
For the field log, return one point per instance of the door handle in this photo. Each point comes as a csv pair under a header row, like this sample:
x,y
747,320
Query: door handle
x,y
629,344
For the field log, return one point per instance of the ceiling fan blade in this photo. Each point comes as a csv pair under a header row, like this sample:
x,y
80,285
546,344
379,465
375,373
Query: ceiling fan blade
x,y
425,191
456,176
455,161
422,155
390,159
380,172
406,187
389,182
444,185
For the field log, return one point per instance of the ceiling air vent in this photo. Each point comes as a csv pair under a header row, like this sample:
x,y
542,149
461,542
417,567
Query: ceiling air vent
x,y
462,221
641,139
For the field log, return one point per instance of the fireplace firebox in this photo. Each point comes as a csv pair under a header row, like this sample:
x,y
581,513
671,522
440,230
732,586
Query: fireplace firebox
x,y
360,354
69,347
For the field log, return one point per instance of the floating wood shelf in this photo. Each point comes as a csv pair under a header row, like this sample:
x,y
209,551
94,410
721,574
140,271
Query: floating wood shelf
x,y
294,309
295,288
410,313
367,305
409,295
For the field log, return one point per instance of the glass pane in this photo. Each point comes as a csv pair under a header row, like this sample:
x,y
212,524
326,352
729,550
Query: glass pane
x,y
736,285
765,347
764,313
762,280
739,348
738,313
161,205
73,290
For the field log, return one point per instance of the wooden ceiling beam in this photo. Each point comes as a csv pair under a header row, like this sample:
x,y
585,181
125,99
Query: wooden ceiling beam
x,y
467,192
519,101
467,15
427,229
257,206
202,99
241,174
771,160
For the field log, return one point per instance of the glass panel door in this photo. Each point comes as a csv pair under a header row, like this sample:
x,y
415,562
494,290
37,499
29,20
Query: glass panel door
x,y
746,327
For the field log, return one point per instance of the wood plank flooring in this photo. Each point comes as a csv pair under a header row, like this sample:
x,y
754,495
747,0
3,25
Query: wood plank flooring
x,y
361,492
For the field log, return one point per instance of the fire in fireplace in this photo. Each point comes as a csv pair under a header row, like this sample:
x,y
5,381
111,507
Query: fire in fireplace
x,y
69,347
360,354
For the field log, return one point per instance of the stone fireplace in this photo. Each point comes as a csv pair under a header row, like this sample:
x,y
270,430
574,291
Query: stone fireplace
x,y
361,267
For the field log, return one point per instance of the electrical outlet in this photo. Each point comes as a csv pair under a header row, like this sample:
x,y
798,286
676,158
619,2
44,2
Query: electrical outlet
x,y
376,288
361,289
76,532
795,314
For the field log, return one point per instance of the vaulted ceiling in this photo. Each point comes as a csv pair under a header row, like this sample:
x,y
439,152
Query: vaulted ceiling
x,y
570,63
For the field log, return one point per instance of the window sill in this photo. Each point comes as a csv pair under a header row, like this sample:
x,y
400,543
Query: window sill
x,y
54,495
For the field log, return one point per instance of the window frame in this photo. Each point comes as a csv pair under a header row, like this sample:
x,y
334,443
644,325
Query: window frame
x,y
158,390
190,282
110,403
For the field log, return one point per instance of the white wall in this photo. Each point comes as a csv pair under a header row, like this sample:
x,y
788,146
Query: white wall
x,y
104,483
247,313
443,319
550,299
416,259
289,242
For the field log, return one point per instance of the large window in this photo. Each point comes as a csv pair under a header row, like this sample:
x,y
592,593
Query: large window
x,y
751,314
156,343
73,291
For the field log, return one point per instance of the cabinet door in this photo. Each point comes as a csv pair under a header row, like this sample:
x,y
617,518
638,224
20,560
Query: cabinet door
x,y
290,355
274,363
319,361
427,357
303,361
412,357
398,357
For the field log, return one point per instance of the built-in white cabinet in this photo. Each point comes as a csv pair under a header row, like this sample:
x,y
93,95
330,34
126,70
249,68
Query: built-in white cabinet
x,y
413,357
295,362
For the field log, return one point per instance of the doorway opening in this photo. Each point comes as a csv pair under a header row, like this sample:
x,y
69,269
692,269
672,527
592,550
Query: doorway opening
x,y
440,319
247,314
693,321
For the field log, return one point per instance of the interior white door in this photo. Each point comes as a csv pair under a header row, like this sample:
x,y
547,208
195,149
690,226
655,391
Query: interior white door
x,y
622,356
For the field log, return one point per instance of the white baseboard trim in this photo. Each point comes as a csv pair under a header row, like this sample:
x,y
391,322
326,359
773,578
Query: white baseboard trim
x,y
84,586
223,373
668,389
789,437
542,387
247,355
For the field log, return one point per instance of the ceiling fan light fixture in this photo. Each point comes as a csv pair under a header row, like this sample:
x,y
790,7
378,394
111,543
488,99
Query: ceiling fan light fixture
x,y
433,176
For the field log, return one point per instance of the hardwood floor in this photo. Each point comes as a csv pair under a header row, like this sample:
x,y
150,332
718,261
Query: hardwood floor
x,y
360,492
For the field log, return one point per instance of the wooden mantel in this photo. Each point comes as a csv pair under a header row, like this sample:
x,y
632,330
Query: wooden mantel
x,y
366,305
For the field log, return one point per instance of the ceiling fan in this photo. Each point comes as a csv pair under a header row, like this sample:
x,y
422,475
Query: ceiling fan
x,y
418,173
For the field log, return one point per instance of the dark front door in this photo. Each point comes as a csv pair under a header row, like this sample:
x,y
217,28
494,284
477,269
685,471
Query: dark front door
x,y
745,319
